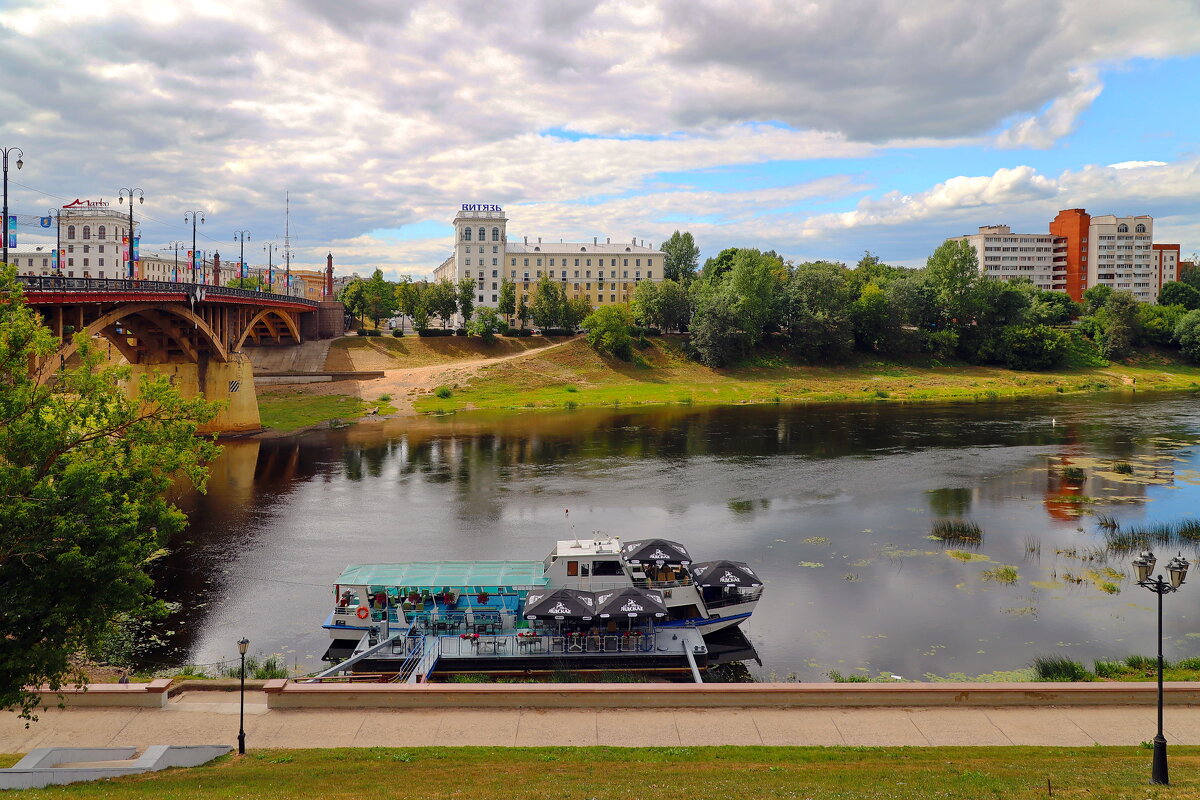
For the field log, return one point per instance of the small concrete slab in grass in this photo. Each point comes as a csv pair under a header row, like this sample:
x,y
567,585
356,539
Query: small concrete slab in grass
x,y
48,766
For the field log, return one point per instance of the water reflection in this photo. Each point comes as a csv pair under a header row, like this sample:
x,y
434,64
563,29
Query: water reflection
x,y
833,506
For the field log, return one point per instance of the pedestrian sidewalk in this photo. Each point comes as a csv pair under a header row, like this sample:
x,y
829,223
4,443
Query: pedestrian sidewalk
x,y
206,716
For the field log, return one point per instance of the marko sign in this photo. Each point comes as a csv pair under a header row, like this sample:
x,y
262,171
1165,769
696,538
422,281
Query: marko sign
x,y
480,207
88,204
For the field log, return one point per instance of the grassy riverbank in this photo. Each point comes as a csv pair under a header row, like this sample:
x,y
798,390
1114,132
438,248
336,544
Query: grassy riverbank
x,y
502,773
574,375
293,410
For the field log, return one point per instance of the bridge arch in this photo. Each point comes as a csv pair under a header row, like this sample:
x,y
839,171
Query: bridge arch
x,y
168,320
271,322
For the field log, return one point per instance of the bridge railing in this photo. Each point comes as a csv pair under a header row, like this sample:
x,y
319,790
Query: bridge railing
x,y
49,283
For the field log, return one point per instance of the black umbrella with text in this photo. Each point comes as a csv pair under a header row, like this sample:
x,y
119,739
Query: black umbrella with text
x,y
724,573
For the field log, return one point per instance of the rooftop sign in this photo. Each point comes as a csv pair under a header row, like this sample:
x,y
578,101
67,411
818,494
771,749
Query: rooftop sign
x,y
480,207
88,204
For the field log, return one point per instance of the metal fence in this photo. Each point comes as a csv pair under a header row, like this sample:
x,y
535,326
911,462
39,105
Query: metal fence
x,y
48,283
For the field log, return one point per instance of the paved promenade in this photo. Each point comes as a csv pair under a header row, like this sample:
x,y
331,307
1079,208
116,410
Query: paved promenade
x,y
211,717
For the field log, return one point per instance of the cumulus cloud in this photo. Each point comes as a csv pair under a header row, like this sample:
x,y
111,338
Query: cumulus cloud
x,y
1137,164
376,114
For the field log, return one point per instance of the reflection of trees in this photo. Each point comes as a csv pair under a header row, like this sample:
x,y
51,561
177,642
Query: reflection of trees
x,y
949,502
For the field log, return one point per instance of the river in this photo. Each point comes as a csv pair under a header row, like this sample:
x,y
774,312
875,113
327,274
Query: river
x,y
832,505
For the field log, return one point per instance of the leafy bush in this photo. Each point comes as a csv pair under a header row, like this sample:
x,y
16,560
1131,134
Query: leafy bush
x,y
374,332
1059,668
1187,333
397,332
460,331
518,332
362,332
486,323
608,331
443,392
1033,347
435,332
264,670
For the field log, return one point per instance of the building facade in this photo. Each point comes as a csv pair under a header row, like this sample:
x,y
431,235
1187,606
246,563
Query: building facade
x,y
1080,251
603,272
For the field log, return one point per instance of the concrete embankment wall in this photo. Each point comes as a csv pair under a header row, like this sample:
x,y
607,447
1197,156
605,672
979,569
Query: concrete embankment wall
x,y
289,694
127,695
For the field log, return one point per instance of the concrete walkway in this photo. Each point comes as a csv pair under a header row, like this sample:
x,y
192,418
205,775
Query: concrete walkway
x,y
213,716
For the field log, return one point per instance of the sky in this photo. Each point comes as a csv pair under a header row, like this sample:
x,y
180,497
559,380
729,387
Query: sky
x,y
817,129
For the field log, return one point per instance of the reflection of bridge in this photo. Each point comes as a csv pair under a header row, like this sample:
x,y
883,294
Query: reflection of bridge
x,y
193,332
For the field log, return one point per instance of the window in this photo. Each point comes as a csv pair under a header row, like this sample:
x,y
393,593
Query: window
x,y
495,249
495,234
572,569
638,262
494,262
539,263
481,298
87,248
625,274
481,249
514,263
85,262
589,262
482,234
614,263
649,262
494,275
70,231
1122,228
626,262
527,264
466,234
576,273
100,232
70,263
493,298
87,231
552,264
1140,228
468,264
70,248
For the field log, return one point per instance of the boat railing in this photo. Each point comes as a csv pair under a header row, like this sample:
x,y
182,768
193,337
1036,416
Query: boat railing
x,y
414,647
646,583
742,596
518,645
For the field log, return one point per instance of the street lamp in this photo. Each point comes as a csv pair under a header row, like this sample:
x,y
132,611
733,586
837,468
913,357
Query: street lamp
x,y
141,196
243,643
241,237
20,154
271,249
1177,567
191,216
175,246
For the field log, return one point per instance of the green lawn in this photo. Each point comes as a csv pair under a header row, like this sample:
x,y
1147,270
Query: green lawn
x,y
289,411
738,773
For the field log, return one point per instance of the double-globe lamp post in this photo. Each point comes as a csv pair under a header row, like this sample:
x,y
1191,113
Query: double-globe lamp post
x,y
141,196
192,216
241,237
243,644
1177,567
19,154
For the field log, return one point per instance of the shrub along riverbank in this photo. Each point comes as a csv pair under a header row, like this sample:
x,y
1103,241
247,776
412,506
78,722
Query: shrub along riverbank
x,y
515,773
661,373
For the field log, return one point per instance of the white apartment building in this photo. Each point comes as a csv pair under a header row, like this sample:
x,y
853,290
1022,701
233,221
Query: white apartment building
x,y
603,272
1122,255
1008,256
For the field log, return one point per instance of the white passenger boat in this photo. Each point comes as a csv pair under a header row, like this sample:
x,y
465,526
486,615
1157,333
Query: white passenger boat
x,y
667,591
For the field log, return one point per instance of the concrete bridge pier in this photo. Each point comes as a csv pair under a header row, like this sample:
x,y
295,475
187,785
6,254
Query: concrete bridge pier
x,y
228,382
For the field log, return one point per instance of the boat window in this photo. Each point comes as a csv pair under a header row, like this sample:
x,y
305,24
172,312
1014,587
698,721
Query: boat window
x,y
584,568
606,568
572,569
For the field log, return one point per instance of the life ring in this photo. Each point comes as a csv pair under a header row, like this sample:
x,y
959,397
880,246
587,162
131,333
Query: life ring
x,y
363,612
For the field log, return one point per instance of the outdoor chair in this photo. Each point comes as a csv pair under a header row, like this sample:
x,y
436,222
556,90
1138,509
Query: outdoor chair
x,y
557,644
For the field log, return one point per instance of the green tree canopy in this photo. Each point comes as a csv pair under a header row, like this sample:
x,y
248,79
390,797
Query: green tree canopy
x,y
522,312
646,304
682,256
486,324
577,310
441,300
546,308
1177,293
507,304
84,469
379,298
608,331
1187,333
254,282
675,305
352,297
466,299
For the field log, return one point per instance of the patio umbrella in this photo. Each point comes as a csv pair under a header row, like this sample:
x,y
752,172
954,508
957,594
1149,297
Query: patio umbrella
x,y
655,551
723,573
630,602
560,604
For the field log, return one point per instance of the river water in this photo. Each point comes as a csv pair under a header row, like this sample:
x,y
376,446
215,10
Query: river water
x,y
832,505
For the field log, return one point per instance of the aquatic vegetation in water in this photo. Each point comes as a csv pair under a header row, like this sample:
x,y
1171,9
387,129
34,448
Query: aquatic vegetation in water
x,y
810,564
1003,574
957,531
1073,474
1123,468
1122,541
965,557
1107,522
817,540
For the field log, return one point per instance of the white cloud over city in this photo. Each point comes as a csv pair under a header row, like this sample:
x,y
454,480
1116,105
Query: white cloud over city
x,y
584,119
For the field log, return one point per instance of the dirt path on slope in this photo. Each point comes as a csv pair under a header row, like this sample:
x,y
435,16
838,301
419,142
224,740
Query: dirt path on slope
x,y
407,384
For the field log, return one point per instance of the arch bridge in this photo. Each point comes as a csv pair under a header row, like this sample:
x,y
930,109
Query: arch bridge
x,y
193,332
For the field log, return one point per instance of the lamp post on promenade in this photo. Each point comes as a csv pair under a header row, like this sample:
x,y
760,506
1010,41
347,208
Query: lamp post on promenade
x,y
241,237
19,154
57,260
141,196
271,248
243,644
192,216
1177,567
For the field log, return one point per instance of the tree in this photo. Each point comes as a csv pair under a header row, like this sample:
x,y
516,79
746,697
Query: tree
x,y
378,298
953,273
466,299
84,468
1034,347
522,312
1095,297
876,318
441,300
675,305
1119,320
750,289
1187,333
608,331
717,337
716,266
647,304
254,282
508,300
577,310
815,308
486,324
351,297
1179,294
546,309
682,256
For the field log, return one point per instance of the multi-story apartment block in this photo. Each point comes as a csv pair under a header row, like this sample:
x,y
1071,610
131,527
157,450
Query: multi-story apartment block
x,y
1010,256
602,272
1080,251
